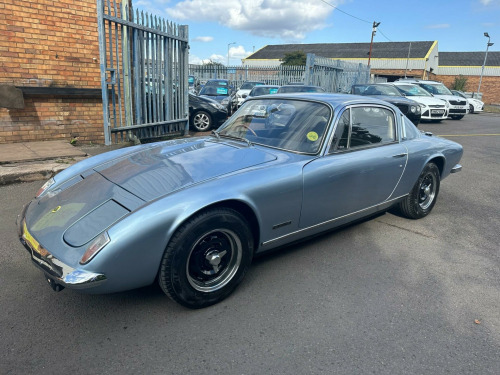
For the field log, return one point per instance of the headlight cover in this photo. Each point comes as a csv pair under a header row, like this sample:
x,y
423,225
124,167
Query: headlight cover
x,y
413,109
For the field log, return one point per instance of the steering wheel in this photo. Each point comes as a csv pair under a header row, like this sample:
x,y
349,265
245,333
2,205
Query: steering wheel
x,y
246,127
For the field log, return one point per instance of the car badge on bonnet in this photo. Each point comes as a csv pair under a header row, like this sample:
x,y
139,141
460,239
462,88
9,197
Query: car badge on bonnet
x,y
56,209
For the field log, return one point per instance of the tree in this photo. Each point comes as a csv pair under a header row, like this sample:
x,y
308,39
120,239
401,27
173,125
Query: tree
x,y
460,83
294,58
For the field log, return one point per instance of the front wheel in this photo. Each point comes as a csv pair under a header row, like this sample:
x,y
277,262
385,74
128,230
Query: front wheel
x,y
207,258
422,197
202,121
471,109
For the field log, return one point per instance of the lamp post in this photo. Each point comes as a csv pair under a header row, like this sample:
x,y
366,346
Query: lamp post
x,y
374,30
488,45
228,51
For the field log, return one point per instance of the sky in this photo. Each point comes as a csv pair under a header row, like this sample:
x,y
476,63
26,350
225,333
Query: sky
x,y
222,29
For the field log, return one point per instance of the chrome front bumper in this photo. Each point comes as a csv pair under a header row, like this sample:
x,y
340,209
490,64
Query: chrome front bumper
x,y
59,275
456,168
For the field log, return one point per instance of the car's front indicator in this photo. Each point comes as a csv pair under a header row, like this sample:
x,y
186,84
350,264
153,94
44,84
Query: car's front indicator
x,y
44,187
95,246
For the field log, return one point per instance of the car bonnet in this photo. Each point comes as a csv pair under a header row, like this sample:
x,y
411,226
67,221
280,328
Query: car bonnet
x,y
101,196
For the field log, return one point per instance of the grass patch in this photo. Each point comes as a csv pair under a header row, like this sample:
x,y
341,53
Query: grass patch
x,y
492,108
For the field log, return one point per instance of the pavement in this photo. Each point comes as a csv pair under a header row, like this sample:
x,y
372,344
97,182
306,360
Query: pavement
x,y
32,161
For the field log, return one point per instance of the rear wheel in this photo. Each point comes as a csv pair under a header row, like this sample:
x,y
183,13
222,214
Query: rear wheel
x,y
471,109
207,258
422,197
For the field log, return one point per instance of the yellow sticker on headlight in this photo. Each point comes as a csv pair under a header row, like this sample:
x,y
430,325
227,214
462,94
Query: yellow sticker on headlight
x,y
312,136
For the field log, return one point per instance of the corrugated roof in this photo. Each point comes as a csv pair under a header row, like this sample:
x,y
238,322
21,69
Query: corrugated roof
x,y
383,50
468,58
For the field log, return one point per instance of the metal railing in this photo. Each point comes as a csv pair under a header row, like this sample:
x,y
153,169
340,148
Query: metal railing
x,y
144,70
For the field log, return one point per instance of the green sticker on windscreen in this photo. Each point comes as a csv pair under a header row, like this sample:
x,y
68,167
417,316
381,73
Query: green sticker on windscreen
x,y
312,136
273,91
221,90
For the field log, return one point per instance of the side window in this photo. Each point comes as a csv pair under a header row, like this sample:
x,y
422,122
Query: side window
x,y
340,139
410,131
370,126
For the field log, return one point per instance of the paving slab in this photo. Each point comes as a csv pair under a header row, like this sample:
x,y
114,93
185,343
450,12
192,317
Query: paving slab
x,y
32,151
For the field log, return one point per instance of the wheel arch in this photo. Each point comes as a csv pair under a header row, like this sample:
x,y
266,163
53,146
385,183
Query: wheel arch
x,y
241,207
439,161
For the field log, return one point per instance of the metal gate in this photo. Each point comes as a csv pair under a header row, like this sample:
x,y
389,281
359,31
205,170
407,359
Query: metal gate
x,y
144,73
335,75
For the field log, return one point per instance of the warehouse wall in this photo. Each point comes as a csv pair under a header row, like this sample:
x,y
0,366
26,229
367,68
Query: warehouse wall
x,y
50,44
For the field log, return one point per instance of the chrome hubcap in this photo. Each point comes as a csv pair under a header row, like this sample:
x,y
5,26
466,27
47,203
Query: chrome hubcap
x,y
427,191
214,260
201,121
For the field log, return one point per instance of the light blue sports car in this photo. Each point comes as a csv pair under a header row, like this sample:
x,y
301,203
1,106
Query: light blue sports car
x,y
192,213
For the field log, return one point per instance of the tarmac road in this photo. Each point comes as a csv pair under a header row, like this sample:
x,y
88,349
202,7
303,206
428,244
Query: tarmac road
x,y
387,296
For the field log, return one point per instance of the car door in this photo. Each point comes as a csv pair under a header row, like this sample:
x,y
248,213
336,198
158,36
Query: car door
x,y
361,169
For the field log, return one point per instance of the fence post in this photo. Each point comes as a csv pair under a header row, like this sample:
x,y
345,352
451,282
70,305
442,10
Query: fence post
x,y
309,76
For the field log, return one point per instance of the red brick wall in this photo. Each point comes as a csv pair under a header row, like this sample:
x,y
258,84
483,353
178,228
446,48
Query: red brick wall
x,y
490,86
50,43
49,118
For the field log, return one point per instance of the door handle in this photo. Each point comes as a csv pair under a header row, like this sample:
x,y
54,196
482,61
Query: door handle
x,y
400,155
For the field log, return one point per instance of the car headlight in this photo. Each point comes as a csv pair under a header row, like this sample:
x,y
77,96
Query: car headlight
x,y
95,246
44,187
225,101
413,109
419,108
217,106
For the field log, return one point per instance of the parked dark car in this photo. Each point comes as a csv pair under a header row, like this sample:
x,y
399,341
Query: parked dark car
x,y
410,108
205,113
299,88
263,90
222,91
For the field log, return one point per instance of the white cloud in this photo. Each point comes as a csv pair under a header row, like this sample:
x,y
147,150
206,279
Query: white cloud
x,y
238,52
204,39
288,19
438,26
489,2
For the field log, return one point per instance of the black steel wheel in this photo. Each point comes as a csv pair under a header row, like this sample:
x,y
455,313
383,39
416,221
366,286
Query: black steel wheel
x,y
201,121
206,258
422,197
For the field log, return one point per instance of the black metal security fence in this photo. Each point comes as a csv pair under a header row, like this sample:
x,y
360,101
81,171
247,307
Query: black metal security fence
x,y
332,75
144,71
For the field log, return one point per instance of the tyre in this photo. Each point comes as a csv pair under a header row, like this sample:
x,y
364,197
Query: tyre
x,y
471,109
457,117
201,121
206,258
422,197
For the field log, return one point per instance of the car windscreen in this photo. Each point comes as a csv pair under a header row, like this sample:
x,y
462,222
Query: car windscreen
x,y
217,83
214,91
250,85
258,91
376,90
412,90
439,89
290,89
293,125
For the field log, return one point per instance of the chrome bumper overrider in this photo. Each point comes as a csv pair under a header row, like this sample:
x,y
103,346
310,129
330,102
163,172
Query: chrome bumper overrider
x,y
58,273
456,168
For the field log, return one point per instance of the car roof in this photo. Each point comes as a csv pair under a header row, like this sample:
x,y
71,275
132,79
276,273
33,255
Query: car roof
x,y
334,100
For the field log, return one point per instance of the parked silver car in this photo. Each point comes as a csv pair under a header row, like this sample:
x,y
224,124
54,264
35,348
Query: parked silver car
x,y
192,213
